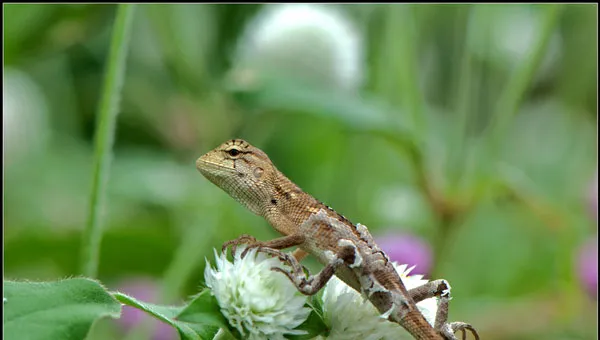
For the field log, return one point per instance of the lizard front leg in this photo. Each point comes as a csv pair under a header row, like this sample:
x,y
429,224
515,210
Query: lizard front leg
x,y
299,254
307,286
251,242
311,284
441,289
242,239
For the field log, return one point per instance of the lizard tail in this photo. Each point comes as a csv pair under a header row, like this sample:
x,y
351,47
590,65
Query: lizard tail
x,y
415,324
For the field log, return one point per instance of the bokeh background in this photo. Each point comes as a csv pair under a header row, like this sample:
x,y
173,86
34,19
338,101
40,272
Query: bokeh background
x,y
463,136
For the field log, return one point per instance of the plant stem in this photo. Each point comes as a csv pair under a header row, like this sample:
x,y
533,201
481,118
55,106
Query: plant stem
x,y
522,77
107,117
187,257
463,101
407,35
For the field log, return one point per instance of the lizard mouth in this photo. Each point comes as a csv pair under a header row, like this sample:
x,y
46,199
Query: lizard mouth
x,y
201,163
209,168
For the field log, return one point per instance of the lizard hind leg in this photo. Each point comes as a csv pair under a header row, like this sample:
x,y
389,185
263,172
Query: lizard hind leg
x,y
441,289
449,329
252,242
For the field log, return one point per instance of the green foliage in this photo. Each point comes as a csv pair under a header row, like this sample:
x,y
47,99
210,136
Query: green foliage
x,y
486,154
200,319
314,325
67,309
107,118
55,310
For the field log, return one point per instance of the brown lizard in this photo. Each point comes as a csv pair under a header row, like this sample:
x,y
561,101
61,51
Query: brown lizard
x,y
346,250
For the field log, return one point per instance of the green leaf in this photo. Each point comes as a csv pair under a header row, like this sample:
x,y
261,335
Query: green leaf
x,y
359,114
55,310
314,325
185,52
203,309
164,313
352,111
201,320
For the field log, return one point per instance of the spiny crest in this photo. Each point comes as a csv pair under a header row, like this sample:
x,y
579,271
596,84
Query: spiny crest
x,y
239,147
237,142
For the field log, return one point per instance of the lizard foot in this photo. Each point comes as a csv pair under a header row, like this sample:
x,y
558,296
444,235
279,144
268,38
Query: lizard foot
x,y
297,272
441,290
256,244
449,329
311,284
290,260
308,285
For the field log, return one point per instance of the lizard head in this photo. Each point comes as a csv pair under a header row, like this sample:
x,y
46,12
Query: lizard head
x,y
241,170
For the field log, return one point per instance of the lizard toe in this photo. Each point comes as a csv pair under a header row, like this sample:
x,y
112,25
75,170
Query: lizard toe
x,y
450,329
242,239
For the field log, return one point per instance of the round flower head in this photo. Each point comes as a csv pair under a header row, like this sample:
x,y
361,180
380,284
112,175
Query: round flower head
x,y
258,302
24,115
407,248
303,40
587,267
350,316
146,290
593,197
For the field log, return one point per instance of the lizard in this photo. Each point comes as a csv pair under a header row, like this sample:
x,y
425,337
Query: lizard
x,y
345,249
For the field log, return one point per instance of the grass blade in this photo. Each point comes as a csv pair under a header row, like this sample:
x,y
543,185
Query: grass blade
x,y
522,77
107,117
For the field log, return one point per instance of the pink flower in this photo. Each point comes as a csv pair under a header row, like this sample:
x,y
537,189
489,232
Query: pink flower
x,y
593,197
588,267
407,249
144,290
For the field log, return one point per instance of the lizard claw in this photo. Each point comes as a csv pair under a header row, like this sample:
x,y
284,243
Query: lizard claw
x,y
287,273
242,239
451,328
285,258
298,279
251,246
308,284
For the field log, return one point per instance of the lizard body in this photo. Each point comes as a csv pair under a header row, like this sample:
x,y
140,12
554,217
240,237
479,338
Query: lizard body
x,y
347,250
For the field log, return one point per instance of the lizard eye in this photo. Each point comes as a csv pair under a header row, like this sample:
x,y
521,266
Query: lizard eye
x,y
233,152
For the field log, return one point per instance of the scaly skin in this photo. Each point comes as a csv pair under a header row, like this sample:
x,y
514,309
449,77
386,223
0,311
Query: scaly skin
x,y
347,250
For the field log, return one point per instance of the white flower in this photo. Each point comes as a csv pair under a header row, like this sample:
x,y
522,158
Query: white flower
x,y
427,307
349,316
304,40
258,302
24,115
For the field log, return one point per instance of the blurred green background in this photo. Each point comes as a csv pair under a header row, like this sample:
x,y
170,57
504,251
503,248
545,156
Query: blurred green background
x,y
470,126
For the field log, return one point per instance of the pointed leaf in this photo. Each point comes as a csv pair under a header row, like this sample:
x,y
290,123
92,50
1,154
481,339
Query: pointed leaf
x,y
314,325
203,309
55,310
167,314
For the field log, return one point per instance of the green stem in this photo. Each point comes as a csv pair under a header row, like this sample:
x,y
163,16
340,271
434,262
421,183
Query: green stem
x,y
520,80
463,100
396,64
188,256
107,117
407,39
